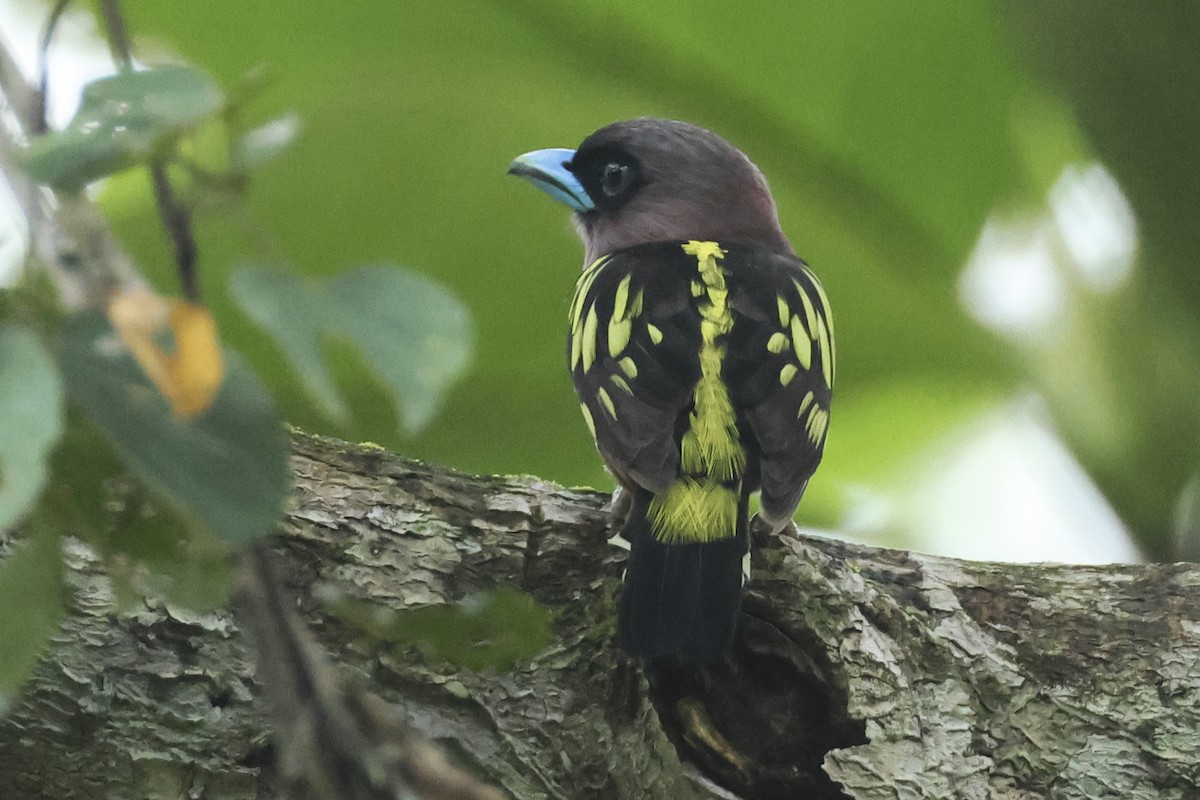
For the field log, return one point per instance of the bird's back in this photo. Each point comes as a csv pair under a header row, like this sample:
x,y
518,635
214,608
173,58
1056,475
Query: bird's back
x,y
704,371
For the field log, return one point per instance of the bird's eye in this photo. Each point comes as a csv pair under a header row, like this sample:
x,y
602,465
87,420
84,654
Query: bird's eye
x,y
616,179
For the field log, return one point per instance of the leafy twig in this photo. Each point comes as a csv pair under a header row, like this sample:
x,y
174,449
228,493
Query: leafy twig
x,y
176,217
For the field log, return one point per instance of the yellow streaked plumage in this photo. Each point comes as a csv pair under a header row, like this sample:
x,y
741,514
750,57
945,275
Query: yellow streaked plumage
x,y
785,312
694,511
582,286
801,342
818,421
711,445
704,252
576,345
618,335
606,401
808,398
706,356
827,317
810,316
621,298
589,338
826,347
786,373
636,309
587,417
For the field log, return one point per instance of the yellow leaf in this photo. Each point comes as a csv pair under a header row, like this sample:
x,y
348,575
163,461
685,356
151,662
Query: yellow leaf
x,y
196,369
190,375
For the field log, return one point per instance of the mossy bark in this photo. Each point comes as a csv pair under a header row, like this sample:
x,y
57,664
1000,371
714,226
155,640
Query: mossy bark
x,y
857,673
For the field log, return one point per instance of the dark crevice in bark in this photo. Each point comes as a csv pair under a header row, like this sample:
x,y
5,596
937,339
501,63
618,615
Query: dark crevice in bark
x,y
760,723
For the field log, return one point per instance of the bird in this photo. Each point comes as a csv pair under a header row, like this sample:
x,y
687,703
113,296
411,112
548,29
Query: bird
x,y
701,348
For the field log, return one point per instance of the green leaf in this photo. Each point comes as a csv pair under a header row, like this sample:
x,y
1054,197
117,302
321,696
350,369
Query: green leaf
x,y
30,419
415,334
31,596
226,468
498,629
123,120
77,497
149,546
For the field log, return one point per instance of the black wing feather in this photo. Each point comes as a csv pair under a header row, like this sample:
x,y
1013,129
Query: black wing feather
x,y
639,436
776,428
639,441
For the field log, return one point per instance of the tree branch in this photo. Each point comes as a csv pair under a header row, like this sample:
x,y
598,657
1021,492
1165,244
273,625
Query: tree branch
x,y
858,672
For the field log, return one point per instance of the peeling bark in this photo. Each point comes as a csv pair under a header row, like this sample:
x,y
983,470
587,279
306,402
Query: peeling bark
x,y
858,673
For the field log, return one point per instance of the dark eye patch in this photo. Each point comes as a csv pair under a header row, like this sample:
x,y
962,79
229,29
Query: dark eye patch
x,y
610,175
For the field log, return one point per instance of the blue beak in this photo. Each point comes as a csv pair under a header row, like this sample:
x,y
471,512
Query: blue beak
x,y
546,169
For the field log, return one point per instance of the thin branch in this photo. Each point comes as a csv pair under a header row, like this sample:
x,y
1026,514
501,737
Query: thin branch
x,y
39,123
334,739
117,33
177,219
175,216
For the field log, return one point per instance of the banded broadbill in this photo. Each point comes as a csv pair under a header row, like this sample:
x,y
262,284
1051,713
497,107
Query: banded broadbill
x,y
702,352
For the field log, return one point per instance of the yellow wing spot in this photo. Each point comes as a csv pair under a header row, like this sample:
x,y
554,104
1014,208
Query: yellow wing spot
x,y
636,308
190,374
818,422
587,417
582,286
697,288
801,342
827,316
655,333
621,298
787,373
826,347
785,313
810,316
628,366
621,383
826,311
808,398
618,335
602,393
589,338
778,342
575,316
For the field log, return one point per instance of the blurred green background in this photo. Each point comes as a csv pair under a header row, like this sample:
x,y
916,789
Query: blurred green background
x,y
1001,199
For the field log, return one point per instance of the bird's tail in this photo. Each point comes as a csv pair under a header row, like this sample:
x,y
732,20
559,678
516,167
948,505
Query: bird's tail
x,y
683,593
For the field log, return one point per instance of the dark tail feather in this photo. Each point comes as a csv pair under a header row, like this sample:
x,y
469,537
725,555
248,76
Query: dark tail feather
x,y
680,599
